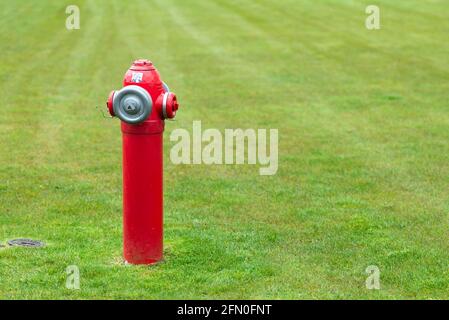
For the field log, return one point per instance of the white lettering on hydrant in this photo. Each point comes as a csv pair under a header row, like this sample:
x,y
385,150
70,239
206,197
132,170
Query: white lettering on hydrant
x,y
234,140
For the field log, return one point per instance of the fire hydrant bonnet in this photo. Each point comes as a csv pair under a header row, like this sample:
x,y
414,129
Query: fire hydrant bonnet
x,y
132,104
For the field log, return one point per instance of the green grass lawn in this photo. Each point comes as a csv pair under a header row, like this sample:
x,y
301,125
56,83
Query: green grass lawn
x,y
363,148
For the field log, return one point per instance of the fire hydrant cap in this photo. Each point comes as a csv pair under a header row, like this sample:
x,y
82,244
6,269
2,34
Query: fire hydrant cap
x,y
132,104
142,65
169,105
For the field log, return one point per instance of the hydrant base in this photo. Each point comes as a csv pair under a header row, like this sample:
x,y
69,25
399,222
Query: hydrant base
x,y
143,194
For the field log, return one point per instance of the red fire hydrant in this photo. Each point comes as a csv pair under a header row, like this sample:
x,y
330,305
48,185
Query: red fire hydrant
x,y
142,105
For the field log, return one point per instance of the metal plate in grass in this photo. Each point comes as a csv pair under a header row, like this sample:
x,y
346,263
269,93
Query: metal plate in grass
x,y
26,243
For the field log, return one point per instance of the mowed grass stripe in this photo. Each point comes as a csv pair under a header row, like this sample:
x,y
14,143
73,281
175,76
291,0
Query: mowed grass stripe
x,y
443,240
16,110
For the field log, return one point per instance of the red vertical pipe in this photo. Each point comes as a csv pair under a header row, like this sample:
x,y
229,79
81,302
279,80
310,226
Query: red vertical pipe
x,y
143,192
